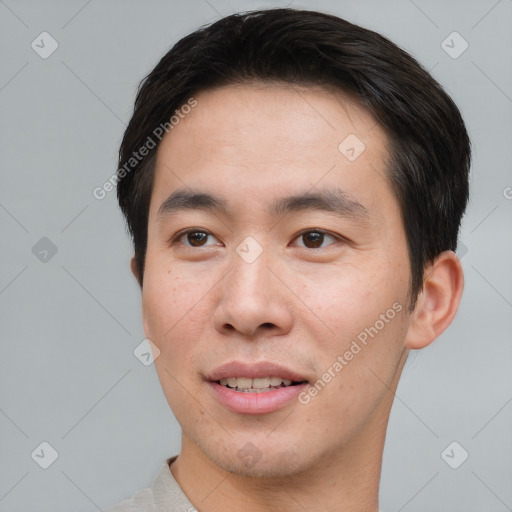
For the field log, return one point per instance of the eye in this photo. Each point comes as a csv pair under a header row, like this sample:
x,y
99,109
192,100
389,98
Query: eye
x,y
314,238
194,237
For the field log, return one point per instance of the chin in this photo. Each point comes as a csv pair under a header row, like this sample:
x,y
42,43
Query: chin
x,y
249,461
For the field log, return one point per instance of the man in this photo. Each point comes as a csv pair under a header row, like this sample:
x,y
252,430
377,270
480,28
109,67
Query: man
x,y
294,186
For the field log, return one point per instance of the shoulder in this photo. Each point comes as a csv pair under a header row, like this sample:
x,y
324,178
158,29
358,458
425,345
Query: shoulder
x,y
163,490
141,501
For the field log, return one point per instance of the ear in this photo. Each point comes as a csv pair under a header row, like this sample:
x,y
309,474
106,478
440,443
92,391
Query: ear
x,y
438,302
135,271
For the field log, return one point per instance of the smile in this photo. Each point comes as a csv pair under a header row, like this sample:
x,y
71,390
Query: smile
x,y
257,385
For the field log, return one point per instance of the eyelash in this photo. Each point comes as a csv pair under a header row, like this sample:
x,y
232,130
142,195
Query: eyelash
x,y
338,238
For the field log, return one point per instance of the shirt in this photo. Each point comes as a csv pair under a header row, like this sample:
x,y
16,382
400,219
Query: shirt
x,y
164,494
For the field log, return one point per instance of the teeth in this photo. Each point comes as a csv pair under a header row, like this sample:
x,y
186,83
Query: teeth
x,y
261,383
246,383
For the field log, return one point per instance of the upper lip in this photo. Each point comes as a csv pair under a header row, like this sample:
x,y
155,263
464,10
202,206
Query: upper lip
x,y
254,370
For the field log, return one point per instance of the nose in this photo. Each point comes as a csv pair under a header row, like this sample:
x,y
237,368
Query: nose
x,y
253,300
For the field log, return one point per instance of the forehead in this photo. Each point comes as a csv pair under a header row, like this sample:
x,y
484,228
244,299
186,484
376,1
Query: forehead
x,y
256,139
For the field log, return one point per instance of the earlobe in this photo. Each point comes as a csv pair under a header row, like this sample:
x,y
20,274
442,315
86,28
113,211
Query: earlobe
x,y
438,302
133,267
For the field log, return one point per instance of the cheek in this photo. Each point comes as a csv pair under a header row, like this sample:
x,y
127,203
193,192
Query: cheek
x,y
361,315
174,312
348,298
172,306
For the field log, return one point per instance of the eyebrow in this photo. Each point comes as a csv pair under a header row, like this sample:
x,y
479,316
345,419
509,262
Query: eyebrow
x,y
329,200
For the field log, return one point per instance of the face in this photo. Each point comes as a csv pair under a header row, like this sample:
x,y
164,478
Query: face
x,y
311,289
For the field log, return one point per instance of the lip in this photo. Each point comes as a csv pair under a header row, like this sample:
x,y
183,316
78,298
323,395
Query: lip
x,y
255,403
254,370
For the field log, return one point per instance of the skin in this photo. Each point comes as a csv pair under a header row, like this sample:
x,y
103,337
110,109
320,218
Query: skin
x,y
300,304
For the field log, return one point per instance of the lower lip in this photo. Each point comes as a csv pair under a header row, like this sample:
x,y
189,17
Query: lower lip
x,y
255,403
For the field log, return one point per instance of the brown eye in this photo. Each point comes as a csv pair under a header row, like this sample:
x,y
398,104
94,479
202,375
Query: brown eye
x,y
313,239
194,238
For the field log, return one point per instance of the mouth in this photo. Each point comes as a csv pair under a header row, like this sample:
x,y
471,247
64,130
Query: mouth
x,y
255,388
258,384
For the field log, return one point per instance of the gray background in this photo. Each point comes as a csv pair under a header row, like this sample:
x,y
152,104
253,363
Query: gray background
x,y
71,321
